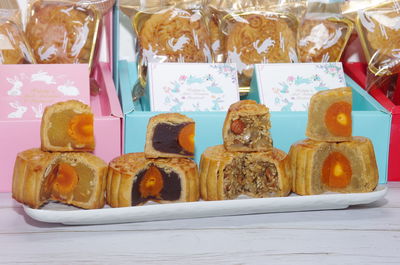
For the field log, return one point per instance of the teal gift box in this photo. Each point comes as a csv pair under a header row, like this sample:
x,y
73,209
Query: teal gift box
x,y
370,119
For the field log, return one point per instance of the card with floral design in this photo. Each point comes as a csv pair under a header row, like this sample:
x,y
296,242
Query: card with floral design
x,y
289,87
180,87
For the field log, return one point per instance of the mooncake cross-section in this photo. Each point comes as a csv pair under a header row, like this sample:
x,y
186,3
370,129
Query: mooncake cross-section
x,y
345,167
170,135
225,175
134,180
329,115
246,127
67,126
74,178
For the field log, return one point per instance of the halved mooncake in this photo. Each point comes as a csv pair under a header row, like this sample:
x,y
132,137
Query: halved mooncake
x,y
73,178
170,135
329,115
225,175
344,167
134,179
246,127
67,126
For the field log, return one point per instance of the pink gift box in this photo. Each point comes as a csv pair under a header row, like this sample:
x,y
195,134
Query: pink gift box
x,y
17,135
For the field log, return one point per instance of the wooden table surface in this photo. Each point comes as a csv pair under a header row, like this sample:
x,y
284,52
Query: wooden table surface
x,y
367,234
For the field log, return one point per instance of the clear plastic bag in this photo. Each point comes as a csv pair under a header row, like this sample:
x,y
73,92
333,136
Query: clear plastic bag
x,y
174,31
258,33
324,32
62,32
13,46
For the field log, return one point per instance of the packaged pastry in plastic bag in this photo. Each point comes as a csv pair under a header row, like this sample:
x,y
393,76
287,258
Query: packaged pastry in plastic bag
x,y
258,33
169,31
64,31
378,27
13,45
215,15
324,32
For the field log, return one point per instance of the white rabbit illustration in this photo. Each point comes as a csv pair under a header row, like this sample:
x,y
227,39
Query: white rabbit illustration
x,y
264,46
68,89
38,111
17,85
20,110
182,40
43,77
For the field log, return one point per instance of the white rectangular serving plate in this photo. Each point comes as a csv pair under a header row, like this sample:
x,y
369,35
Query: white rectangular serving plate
x,y
69,215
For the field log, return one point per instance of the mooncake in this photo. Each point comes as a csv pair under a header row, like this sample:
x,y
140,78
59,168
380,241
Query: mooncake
x,y
346,167
246,127
67,126
134,179
225,175
170,135
329,115
13,46
76,178
62,32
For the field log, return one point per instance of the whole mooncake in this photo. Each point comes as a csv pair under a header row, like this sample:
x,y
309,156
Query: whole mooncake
x,y
329,115
225,175
74,178
344,167
170,135
67,126
134,179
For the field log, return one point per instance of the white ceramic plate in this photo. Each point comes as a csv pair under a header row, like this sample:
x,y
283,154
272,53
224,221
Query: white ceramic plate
x,y
69,215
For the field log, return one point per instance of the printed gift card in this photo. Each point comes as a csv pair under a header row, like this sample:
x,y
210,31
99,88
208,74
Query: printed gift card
x,y
289,87
27,89
179,87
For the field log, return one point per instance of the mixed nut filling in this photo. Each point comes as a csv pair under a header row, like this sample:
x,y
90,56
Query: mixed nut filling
x,y
251,131
154,183
245,175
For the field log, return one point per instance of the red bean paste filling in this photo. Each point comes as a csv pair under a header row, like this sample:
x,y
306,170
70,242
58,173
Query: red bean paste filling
x,y
165,138
248,176
170,192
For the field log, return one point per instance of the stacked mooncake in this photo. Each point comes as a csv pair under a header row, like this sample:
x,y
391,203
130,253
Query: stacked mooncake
x,y
164,172
332,159
62,169
247,163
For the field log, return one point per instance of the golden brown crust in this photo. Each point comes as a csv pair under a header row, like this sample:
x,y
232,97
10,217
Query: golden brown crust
x,y
13,46
317,128
323,40
74,106
308,156
218,181
62,32
260,38
174,35
246,127
168,118
123,172
33,179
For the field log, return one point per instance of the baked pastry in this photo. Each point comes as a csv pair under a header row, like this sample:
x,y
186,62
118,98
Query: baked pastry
x,y
246,127
13,46
67,126
323,39
259,38
170,135
380,34
134,179
73,178
225,175
61,32
176,35
329,115
318,167
216,37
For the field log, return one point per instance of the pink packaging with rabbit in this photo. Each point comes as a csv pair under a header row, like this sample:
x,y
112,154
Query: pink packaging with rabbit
x,y
27,89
